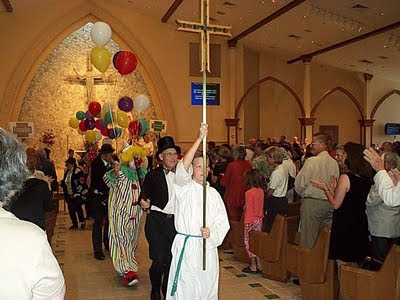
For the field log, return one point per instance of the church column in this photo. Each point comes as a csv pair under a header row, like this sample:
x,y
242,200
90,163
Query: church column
x,y
232,123
307,123
366,125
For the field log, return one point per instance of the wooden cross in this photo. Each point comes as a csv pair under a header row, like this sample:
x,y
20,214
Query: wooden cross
x,y
89,80
205,29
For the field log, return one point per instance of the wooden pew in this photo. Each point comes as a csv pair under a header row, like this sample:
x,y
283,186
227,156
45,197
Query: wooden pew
x,y
237,241
315,271
271,247
359,284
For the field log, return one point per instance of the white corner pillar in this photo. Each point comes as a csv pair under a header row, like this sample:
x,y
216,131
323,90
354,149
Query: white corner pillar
x,y
307,123
366,125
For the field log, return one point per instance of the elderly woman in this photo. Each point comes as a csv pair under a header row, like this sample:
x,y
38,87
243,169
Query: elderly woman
x,y
233,181
28,269
36,198
383,220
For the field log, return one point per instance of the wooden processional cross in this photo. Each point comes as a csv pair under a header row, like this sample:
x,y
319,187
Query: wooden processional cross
x,y
205,29
89,80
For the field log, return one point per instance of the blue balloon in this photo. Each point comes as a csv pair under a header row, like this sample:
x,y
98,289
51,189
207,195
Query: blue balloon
x,y
145,127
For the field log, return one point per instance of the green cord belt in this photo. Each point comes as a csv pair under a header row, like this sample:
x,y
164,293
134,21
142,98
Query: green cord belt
x,y
178,268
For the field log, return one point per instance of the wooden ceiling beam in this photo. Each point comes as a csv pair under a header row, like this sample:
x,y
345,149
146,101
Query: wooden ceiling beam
x,y
347,42
233,41
171,10
7,5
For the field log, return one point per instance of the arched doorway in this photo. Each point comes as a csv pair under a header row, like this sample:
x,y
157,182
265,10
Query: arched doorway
x,y
339,114
286,88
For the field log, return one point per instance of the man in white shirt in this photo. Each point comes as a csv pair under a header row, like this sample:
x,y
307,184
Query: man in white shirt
x,y
315,209
28,268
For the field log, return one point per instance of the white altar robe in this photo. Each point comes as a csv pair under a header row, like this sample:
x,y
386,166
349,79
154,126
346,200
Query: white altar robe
x,y
193,282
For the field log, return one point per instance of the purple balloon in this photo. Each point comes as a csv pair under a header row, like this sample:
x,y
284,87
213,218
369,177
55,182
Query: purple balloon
x,y
88,115
115,57
111,133
102,124
90,123
125,104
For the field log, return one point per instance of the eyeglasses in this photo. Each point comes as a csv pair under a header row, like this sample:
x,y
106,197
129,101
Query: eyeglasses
x,y
169,154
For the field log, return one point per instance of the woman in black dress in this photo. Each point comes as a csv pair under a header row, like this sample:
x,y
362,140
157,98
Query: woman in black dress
x,y
349,234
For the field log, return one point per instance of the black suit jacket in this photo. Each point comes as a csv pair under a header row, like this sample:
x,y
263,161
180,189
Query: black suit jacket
x,y
155,188
97,171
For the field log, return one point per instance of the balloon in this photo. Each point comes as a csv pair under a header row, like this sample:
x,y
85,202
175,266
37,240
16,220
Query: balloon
x,y
90,123
135,127
94,108
104,131
100,58
111,133
145,127
126,62
108,106
100,33
115,58
101,124
125,104
90,136
118,131
88,115
81,132
110,117
98,136
122,119
74,123
142,102
80,115
82,125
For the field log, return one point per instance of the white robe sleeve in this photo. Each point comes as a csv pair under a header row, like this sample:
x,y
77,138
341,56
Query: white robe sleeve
x,y
388,192
182,177
218,219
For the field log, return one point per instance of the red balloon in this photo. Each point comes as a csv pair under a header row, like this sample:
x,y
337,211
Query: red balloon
x,y
94,108
82,125
104,132
126,62
135,127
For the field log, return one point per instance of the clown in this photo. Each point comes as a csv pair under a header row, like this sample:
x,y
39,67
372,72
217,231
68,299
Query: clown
x,y
124,213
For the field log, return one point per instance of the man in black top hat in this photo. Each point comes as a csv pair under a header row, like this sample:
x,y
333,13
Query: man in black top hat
x,y
99,196
159,229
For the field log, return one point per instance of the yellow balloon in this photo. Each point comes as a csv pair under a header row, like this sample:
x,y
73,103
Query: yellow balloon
x,y
74,123
100,58
122,119
90,136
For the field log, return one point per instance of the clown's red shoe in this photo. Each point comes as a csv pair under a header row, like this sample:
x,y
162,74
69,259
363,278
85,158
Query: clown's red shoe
x,y
131,279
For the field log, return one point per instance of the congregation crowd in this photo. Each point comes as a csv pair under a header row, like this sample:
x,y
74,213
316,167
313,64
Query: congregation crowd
x,y
351,189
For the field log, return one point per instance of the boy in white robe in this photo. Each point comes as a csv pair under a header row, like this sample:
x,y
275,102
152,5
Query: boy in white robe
x,y
187,280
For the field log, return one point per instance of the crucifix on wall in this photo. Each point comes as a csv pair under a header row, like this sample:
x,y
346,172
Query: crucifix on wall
x,y
89,80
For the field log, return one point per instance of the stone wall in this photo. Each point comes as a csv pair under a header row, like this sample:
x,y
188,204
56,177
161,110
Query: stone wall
x,y
51,100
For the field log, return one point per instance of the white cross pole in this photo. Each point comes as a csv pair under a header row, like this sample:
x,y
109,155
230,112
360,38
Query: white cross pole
x,y
205,29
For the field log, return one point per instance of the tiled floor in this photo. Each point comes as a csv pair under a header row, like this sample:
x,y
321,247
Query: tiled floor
x,y
87,278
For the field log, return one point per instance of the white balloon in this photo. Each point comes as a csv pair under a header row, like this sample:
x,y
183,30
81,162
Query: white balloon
x,y
141,103
98,136
100,33
107,141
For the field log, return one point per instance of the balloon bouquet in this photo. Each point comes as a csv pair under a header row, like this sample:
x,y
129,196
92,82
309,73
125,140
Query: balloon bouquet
x,y
98,121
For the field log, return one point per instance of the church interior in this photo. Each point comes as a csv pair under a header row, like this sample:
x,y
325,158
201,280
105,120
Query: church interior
x,y
287,68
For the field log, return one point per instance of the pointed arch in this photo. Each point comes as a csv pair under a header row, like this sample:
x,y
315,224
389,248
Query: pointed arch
x,y
276,80
342,90
56,32
383,99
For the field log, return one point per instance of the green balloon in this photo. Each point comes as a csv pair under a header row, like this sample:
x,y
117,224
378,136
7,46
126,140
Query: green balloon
x,y
118,131
80,115
108,117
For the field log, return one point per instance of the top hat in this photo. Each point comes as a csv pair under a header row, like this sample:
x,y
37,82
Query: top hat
x,y
106,149
165,143
71,161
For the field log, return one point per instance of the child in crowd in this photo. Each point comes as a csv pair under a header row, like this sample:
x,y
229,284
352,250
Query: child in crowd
x,y
253,214
187,279
276,201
